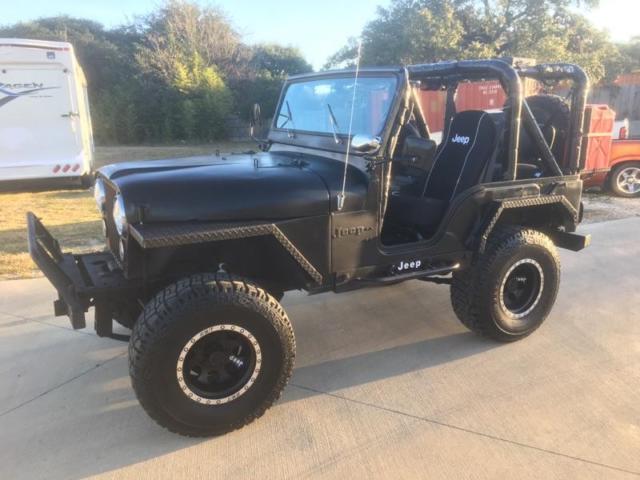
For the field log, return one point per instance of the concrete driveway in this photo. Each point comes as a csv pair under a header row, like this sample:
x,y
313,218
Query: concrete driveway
x,y
388,384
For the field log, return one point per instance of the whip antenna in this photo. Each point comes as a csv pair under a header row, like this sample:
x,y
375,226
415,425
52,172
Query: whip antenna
x,y
353,103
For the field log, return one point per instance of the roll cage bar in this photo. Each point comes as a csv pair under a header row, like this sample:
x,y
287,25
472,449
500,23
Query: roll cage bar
x,y
436,76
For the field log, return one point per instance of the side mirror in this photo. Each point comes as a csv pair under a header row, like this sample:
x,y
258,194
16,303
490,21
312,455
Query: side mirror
x,y
418,147
256,115
365,143
418,152
256,118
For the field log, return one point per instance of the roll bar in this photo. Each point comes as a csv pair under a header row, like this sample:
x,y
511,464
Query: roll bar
x,y
567,71
447,73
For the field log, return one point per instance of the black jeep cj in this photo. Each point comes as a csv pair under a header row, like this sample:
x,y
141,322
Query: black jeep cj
x,y
200,251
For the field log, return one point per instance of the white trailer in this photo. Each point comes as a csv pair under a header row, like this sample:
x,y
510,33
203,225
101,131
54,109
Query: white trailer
x,y
45,124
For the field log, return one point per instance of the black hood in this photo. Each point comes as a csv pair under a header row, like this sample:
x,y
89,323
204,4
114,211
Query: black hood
x,y
266,186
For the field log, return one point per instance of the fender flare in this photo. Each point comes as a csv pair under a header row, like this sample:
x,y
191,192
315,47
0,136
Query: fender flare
x,y
156,236
500,206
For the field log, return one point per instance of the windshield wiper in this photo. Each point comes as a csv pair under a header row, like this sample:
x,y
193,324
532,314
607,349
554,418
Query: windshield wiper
x,y
334,124
289,118
289,110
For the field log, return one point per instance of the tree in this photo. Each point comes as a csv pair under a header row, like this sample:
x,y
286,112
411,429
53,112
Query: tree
x,y
631,55
269,66
175,74
625,59
413,31
184,28
187,53
278,61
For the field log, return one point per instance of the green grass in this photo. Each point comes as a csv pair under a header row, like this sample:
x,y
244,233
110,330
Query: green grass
x,y
71,216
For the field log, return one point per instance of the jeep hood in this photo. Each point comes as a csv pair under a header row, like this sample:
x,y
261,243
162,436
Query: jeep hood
x,y
261,187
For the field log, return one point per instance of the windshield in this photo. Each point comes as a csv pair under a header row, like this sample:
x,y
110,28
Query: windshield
x,y
324,105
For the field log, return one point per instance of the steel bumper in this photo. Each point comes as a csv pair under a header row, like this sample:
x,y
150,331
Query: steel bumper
x,y
79,279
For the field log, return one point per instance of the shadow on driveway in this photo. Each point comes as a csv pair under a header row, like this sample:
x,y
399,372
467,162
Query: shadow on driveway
x,y
334,375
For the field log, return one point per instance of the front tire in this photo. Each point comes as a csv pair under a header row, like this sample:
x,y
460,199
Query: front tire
x,y
509,290
210,354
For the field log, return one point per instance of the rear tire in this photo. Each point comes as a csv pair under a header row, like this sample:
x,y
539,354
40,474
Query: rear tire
x,y
210,354
624,180
509,290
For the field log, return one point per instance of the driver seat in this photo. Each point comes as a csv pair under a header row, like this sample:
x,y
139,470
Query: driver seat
x,y
463,158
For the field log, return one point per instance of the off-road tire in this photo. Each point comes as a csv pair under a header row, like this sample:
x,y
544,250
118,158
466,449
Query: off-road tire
x,y
179,312
554,111
476,291
612,183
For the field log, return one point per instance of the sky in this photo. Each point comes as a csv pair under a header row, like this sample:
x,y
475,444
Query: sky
x,y
318,29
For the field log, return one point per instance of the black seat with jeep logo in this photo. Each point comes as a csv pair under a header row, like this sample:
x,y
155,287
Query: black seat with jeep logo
x,y
459,164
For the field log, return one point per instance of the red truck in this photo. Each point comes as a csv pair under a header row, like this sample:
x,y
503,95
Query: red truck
x,y
621,174
610,163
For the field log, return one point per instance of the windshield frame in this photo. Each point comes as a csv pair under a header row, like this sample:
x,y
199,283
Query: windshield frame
x,y
325,140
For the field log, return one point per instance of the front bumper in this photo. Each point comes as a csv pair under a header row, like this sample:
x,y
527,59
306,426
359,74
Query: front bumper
x,y
79,279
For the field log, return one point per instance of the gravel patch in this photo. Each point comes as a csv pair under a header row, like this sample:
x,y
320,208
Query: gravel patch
x,y
602,207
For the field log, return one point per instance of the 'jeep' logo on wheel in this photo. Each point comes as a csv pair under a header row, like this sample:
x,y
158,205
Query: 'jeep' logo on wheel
x,y
460,139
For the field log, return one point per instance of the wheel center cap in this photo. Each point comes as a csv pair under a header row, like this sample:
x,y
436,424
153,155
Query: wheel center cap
x,y
521,288
218,358
516,285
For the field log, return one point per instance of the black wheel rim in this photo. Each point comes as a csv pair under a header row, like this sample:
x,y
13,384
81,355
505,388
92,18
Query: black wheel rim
x,y
522,288
218,364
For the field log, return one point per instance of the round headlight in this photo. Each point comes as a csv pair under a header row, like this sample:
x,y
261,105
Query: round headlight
x,y
100,194
119,214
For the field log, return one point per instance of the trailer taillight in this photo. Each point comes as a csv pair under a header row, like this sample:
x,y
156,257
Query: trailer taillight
x,y
66,168
624,133
56,169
